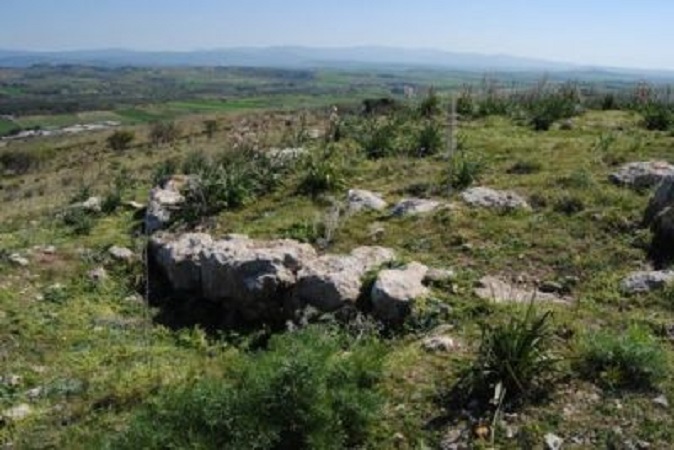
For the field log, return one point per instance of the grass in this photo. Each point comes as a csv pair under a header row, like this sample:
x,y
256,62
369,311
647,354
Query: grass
x,y
102,361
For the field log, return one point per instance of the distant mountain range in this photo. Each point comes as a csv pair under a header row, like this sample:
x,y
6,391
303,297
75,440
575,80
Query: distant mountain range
x,y
305,57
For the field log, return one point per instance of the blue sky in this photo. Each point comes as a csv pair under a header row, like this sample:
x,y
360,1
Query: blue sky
x,y
626,33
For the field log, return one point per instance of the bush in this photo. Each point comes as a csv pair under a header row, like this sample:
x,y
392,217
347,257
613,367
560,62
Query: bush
x,y
377,138
430,105
632,360
195,162
464,171
548,109
164,171
120,140
210,128
525,168
322,173
164,133
429,140
569,205
19,161
658,117
310,389
78,220
513,359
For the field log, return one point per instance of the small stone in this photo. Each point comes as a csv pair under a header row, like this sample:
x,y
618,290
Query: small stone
x,y
642,282
643,174
121,253
550,287
92,204
414,206
661,401
489,198
98,275
439,276
553,442
359,200
35,393
17,413
134,206
18,260
439,344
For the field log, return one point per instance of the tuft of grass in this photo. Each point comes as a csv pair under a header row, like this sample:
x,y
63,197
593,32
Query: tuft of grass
x,y
632,360
323,172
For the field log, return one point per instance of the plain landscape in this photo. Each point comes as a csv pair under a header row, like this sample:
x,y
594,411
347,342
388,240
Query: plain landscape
x,y
357,247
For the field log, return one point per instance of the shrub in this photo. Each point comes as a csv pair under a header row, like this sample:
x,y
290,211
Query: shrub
x,y
464,171
513,359
19,161
78,220
569,205
430,105
377,138
120,140
429,140
210,128
164,133
658,117
632,360
322,173
525,168
310,389
195,162
164,171
548,109
113,199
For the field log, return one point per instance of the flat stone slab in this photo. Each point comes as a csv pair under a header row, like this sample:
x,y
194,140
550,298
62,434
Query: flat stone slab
x,y
646,281
499,291
643,174
489,198
414,207
361,200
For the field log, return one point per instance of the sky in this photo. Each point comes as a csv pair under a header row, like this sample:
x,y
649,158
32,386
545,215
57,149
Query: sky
x,y
619,33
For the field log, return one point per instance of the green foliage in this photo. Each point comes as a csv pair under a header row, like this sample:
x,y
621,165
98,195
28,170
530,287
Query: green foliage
x,y
430,105
164,171
78,220
120,140
464,171
429,140
569,205
625,360
376,138
547,109
513,360
195,162
310,389
658,116
323,172
525,167
164,133
113,198
19,161
210,128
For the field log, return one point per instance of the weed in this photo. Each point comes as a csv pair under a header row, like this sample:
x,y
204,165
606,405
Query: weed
x,y
120,140
323,172
658,116
629,360
569,205
78,220
164,133
429,140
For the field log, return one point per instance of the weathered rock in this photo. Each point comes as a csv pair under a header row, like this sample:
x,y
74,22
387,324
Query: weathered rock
x,y
360,200
497,290
333,281
284,156
18,260
439,344
395,291
121,253
490,198
646,281
17,413
92,205
164,202
98,275
180,259
553,442
642,175
439,276
415,206
661,401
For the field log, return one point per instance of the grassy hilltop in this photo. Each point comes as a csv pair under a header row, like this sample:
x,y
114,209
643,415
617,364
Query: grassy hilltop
x,y
96,368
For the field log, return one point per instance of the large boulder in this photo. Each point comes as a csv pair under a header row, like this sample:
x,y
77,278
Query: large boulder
x,y
489,198
263,279
359,200
332,281
643,174
659,216
414,207
395,291
646,281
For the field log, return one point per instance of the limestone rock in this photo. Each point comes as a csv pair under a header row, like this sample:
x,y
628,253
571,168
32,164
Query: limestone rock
x,y
643,174
489,198
17,413
395,291
92,205
360,200
98,275
18,260
415,206
499,291
439,344
164,202
332,281
646,281
121,253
